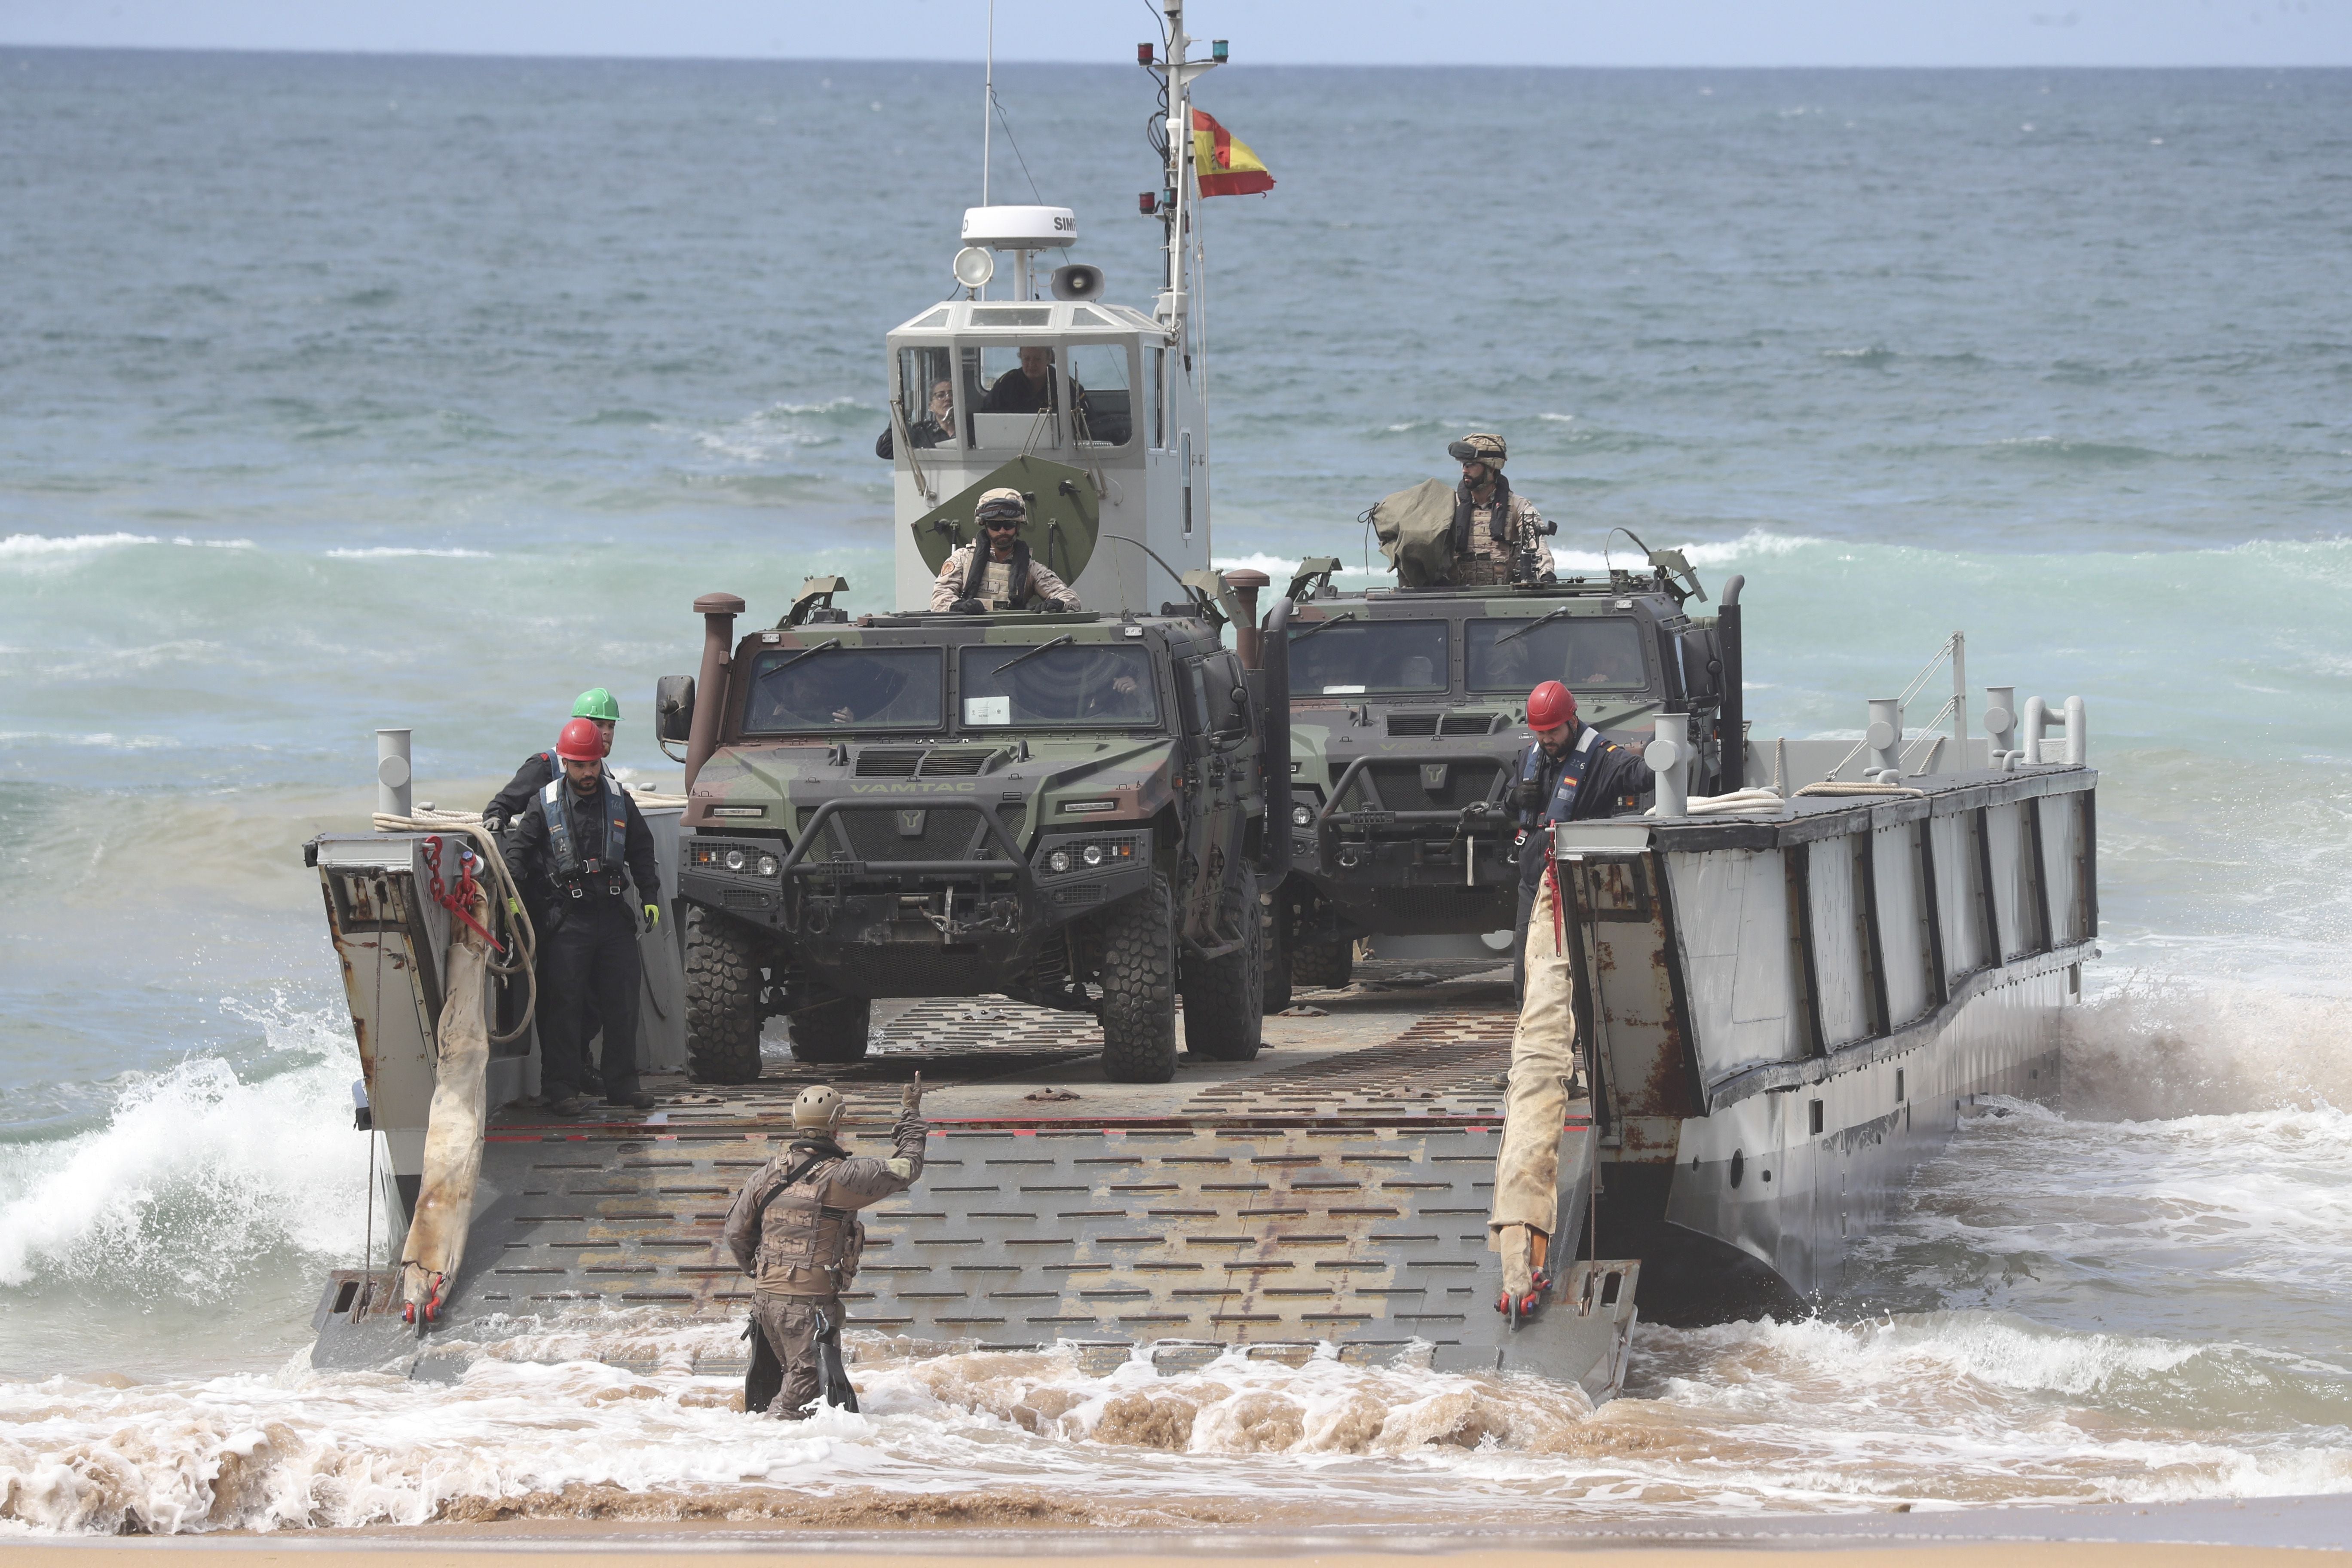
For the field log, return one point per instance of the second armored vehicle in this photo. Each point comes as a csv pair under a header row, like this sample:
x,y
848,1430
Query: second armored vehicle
x,y
1408,714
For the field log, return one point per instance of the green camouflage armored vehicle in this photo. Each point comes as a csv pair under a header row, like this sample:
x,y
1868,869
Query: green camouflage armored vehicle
x,y
1068,809
1408,717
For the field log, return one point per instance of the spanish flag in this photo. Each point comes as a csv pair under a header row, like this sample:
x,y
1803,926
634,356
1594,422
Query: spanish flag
x,y
1223,163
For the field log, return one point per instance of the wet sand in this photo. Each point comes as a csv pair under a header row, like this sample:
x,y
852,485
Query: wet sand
x,y
345,1554
2202,1534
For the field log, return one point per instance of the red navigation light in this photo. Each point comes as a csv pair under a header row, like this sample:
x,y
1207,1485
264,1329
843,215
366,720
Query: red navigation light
x,y
1143,54
1144,202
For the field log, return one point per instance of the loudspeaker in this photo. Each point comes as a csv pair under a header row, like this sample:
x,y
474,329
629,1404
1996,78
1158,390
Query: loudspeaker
x,y
1078,282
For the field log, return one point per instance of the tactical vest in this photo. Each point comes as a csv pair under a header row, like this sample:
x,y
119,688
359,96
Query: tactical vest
x,y
599,871
807,1248
1561,807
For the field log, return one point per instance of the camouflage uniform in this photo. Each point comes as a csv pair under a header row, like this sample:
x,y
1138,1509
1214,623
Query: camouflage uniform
x,y
801,1243
999,588
1490,560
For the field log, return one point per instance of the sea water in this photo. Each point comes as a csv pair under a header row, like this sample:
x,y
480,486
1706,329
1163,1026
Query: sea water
x,y
341,393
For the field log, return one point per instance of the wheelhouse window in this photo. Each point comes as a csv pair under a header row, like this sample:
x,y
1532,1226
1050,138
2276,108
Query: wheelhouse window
x,y
1102,395
1013,392
1515,656
927,399
1347,659
832,688
1007,686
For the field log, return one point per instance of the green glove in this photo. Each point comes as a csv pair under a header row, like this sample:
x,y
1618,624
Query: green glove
x,y
653,915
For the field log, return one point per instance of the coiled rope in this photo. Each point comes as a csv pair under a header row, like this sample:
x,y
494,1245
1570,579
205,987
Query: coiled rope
x,y
522,954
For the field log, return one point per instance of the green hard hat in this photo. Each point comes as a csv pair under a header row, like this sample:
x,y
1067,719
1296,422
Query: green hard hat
x,y
597,703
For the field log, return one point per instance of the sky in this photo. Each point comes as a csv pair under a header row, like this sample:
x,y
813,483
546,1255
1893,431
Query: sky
x,y
1691,33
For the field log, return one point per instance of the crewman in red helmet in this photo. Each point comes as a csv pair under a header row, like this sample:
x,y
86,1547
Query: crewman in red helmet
x,y
581,843
1569,773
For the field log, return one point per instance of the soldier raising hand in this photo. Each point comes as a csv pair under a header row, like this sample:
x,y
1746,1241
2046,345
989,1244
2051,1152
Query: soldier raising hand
x,y
794,1229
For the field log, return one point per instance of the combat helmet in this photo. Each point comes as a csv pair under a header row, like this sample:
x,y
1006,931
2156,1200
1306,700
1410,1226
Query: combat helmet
x,y
1480,446
818,1109
1003,501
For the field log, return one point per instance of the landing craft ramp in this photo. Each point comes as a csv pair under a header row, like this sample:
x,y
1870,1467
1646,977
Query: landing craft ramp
x,y
1331,1195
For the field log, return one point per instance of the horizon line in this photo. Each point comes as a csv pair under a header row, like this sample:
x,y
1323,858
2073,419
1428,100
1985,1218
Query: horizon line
x,y
556,57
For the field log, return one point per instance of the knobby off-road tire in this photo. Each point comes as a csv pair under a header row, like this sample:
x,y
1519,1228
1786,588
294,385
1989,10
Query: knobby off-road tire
x,y
1139,986
827,1028
1330,965
1224,998
722,998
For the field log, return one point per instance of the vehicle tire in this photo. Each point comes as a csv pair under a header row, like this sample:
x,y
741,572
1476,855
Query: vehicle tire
x,y
1330,965
1275,958
827,1027
1139,987
1224,998
723,959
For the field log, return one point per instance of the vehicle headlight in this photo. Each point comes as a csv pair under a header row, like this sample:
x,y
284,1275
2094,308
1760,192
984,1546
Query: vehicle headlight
x,y
1059,860
1091,853
1302,815
734,859
767,864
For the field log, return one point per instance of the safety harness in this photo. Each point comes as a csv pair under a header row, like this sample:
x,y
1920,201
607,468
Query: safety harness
x,y
572,871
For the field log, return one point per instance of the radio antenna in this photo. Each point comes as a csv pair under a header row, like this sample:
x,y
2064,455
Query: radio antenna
x,y
988,101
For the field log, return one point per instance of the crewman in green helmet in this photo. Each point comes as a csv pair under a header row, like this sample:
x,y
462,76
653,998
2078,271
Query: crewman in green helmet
x,y
540,768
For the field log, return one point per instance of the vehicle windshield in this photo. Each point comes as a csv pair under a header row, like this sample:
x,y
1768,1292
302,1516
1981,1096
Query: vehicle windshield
x,y
844,688
1078,683
1349,658
1581,652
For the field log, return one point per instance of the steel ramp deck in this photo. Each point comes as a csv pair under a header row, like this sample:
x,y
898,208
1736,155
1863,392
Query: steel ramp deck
x,y
1334,1191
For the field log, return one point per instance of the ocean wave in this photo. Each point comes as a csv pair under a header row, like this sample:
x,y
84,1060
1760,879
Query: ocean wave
x,y
1280,567
2154,1046
397,551
28,546
601,1414
198,1174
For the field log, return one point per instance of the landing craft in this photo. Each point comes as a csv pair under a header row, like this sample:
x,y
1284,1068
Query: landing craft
x,y
1798,961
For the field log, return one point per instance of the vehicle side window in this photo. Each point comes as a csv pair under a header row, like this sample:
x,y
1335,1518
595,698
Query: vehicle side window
x,y
1195,685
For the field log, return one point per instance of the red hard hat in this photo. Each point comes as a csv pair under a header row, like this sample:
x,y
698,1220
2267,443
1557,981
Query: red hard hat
x,y
1551,705
581,741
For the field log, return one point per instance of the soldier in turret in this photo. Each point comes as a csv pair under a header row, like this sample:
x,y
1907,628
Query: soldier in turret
x,y
794,1229
1000,573
1498,534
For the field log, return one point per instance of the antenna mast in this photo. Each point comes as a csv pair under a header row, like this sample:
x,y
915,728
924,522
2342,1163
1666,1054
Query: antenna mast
x,y
988,102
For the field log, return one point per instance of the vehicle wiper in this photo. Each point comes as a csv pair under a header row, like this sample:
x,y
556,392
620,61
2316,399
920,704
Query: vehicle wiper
x,y
1322,626
804,653
1032,653
1507,637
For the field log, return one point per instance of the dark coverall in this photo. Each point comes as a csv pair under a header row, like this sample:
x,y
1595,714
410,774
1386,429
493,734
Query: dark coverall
x,y
801,1243
505,807
588,944
1604,777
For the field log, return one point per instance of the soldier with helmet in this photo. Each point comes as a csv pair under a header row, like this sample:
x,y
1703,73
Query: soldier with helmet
x,y
1569,774
794,1229
997,572
577,848
1498,534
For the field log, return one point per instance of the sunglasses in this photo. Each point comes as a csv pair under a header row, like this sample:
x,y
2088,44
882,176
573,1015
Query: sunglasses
x,y
1001,524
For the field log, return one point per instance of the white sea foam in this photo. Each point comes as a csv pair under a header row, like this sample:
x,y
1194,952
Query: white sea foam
x,y
27,547
198,1172
397,551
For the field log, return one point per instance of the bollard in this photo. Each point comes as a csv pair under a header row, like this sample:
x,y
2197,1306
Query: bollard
x,y
2078,733
2000,718
1885,736
1668,756
393,772
2037,721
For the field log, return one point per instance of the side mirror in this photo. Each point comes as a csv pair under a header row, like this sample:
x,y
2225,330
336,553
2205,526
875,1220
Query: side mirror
x,y
673,708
